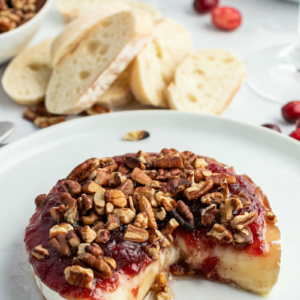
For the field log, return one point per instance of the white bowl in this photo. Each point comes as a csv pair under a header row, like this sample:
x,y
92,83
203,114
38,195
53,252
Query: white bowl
x,y
12,42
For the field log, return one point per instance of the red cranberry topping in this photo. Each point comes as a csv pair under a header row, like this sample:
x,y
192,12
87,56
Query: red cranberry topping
x,y
204,6
226,18
291,111
272,126
298,123
296,134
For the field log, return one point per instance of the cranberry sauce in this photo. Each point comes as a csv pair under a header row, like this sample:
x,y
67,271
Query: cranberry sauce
x,y
130,258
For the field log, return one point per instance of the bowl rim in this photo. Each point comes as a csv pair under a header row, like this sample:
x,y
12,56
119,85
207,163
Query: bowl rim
x,y
44,8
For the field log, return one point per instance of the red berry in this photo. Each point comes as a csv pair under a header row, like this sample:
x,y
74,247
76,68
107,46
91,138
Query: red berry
x,y
298,123
272,126
296,134
204,6
226,18
291,111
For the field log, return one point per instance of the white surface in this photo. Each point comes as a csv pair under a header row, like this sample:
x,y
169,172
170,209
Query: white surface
x,y
269,158
265,23
12,42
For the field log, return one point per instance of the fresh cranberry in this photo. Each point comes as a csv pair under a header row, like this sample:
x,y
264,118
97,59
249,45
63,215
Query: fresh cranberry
x,y
298,123
226,18
296,134
204,6
272,126
291,111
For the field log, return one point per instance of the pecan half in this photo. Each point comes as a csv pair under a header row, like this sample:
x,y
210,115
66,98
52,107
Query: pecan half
x,y
39,252
169,162
60,244
140,177
94,249
135,234
220,234
83,170
198,190
183,215
241,221
79,276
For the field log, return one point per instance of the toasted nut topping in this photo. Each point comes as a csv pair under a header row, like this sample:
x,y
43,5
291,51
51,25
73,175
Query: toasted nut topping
x,y
183,215
213,198
60,244
72,187
217,178
115,197
103,236
109,208
61,228
87,234
79,276
83,170
94,249
87,202
201,174
169,162
243,238
124,170
198,190
164,294
220,234
91,219
127,187
167,202
171,226
271,217
208,215
57,213
175,186
160,213
135,234
145,206
43,122
223,189
160,281
136,135
39,252
126,215
110,261
116,179
102,177
155,235
96,109
241,221
140,177
141,220
133,162
188,158
228,207
245,199
71,214
98,226
113,222
152,250
91,187
73,239
81,248
99,199
40,200
200,163
66,199
145,191
106,161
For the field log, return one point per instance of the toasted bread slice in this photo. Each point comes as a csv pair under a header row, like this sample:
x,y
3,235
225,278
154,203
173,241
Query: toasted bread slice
x,y
153,69
71,9
26,77
101,56
206,82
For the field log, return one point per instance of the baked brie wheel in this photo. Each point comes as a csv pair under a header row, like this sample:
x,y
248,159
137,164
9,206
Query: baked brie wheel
x,y
116,226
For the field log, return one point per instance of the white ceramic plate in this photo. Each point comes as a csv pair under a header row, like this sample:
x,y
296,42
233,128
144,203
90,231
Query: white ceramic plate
x,y
33,165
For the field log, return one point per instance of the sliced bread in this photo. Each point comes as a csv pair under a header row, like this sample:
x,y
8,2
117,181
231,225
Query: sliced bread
x,y
206,81
119,93
153,69
26,77
77,29
84,74
71,9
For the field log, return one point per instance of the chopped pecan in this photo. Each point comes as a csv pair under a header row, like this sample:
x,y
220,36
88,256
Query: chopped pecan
x,y
106,161
145,206
81,248
183,215
160,281
200,163
102,177
220,234
213,198
39,252
169,162
171,226
198,190
131,204
73,239
152,250
103,236
109,208
61,228
29,114
87,202
223,189
111,168
175,186
141,220
116,197
57,213
43,122
110,261
245,199
136,135
142,156
96,109
87,234
90,187
140,177
78,276
127,187
72,187
94,249
228,207
160,213
151,173
168,202
66,199
156,236
3,5
92,218
113,222
135,234
116,179
165,175
154,184
188,158
133,162
83,170
201,174
124,170
99,198
145,191
163,294
126,215
243,238
208,215
271,217
71,215
241,221
60,244
40,200
217,178
99,225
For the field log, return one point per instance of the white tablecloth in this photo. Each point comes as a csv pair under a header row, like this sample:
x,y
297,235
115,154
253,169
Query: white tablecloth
x,y
265,23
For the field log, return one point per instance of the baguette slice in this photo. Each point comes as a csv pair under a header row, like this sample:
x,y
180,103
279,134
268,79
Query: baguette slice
x,y
153,69
71,9
119,93
77,30
206,82
105,52
26,77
